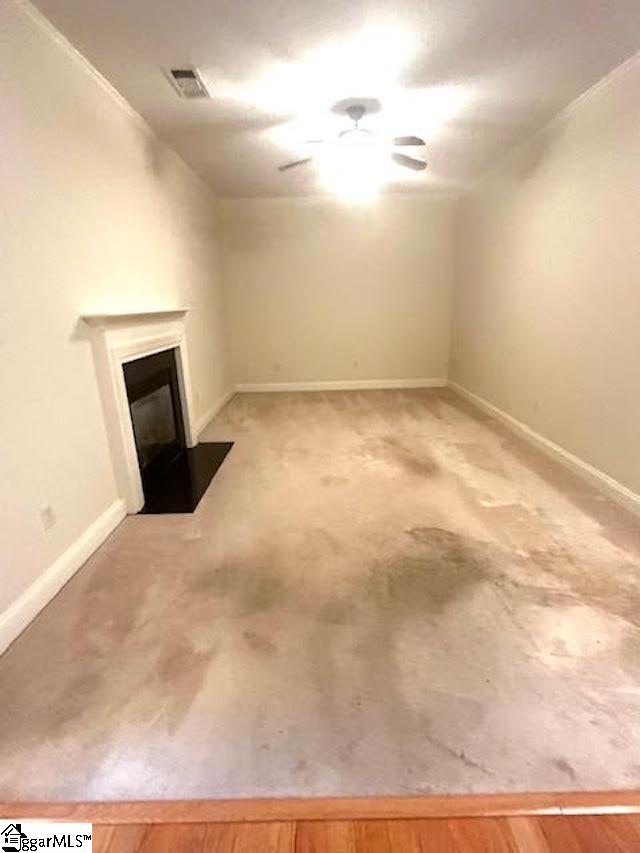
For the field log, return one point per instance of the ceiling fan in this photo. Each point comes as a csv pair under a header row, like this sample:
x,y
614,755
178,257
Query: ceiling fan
x,y
361,135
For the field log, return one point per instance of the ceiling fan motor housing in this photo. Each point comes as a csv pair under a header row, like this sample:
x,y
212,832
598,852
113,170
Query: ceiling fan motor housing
x,y
355,112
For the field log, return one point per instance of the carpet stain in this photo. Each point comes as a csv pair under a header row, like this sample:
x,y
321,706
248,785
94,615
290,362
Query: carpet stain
x,y
416,462
259,643
179,659
459,755
479,457
410,459
260,592
64,711
564,767
251,587
438,567
619,526
333,480
615,591
516,524
338,612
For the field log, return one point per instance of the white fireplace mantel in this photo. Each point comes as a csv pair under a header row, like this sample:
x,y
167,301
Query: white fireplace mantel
x,y
98,321
117,339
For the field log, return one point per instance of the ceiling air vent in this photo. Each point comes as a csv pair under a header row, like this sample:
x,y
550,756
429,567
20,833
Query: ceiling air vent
x,y
187,83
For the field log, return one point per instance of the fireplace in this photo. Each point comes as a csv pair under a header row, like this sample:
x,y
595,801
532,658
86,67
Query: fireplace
x,y
142,368
174,476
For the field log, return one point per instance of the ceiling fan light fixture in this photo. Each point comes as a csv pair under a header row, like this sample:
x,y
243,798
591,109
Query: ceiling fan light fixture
x,y
357,162
352,172
354,190
356,136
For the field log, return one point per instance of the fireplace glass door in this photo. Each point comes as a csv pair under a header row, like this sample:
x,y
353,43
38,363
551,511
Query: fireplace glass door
x,y
154,424
156,412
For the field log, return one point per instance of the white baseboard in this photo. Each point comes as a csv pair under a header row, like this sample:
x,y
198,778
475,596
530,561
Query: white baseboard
x,y
25,608
615,490
213,410
341,385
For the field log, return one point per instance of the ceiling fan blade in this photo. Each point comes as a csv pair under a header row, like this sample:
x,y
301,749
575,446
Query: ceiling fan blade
x,y
294,163
409,162
408,140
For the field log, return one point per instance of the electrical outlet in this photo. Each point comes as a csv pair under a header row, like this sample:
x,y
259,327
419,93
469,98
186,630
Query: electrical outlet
x,y
47,517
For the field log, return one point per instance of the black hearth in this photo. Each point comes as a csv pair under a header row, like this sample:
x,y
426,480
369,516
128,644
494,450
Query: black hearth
x,y
174,476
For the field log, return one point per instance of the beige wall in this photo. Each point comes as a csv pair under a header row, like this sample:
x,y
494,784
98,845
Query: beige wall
x,y
96,216
547,296
317,290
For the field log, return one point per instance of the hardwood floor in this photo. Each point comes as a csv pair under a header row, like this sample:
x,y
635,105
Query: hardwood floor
x,y
543,822
296,809
534,834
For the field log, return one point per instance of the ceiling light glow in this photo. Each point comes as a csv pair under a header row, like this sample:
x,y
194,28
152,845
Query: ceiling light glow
x,y
370,61
353,167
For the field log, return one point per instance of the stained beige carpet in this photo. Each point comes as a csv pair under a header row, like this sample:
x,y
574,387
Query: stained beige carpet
x,y
382,592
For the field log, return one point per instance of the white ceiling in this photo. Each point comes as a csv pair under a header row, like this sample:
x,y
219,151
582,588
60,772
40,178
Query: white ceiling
x,y
471,76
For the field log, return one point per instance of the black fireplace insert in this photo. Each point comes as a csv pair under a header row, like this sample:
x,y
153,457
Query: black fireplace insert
x,y
174,476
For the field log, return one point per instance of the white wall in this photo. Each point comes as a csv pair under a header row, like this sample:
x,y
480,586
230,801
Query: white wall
x,y
96,216
317,290
547,297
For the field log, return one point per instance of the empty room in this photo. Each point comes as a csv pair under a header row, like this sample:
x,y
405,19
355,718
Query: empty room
x,y
320,362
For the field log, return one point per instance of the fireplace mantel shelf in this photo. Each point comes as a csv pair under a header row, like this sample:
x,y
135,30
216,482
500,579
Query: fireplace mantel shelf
x,y
101,320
